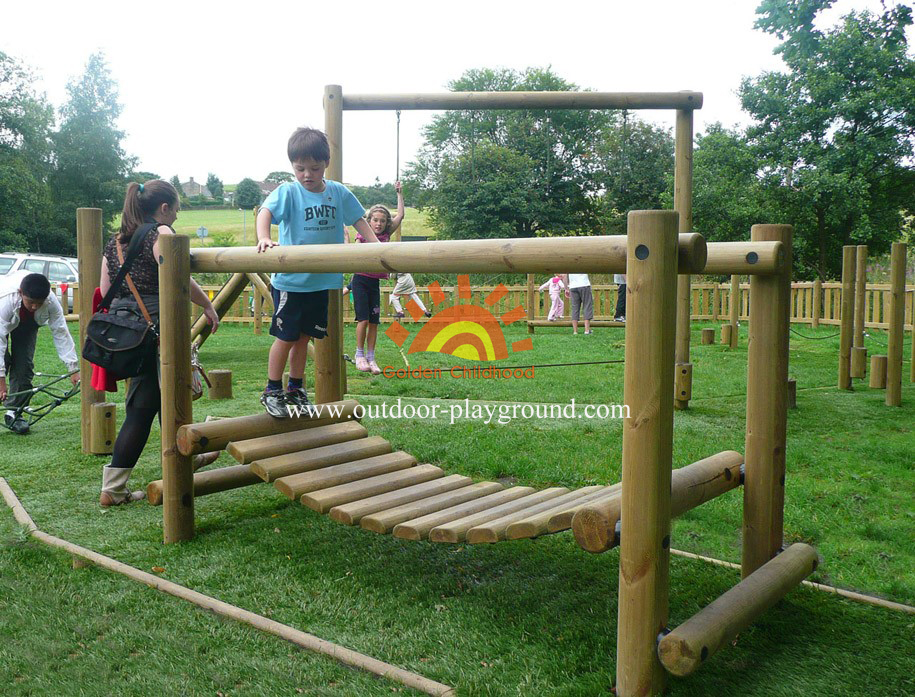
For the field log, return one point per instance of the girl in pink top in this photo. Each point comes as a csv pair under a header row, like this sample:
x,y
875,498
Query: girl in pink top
x,y
555,286
366,290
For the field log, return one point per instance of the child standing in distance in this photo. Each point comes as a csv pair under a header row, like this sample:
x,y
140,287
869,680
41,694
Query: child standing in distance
x,y
557,307
309,210
406,288
366,290
620,280
578,288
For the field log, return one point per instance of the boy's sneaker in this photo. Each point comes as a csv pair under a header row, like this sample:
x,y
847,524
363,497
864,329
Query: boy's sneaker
x,y
298,397
362,365
374,369
399,315
427,313
17,424
619,319
274,402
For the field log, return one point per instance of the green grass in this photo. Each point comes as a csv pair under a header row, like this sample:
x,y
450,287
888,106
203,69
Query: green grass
x,y
517,618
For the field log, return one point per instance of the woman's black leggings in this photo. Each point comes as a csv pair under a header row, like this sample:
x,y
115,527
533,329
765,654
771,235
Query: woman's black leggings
x,y
133,436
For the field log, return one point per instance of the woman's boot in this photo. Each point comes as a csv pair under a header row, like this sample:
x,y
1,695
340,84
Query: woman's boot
x,y
114,487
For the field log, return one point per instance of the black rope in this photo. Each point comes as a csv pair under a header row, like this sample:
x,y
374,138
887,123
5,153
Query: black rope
x,y
804,336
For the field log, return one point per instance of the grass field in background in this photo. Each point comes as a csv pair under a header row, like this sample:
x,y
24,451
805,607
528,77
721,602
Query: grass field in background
x,y
240,225
517,618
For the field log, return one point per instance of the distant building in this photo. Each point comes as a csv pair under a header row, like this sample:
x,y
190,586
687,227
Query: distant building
x,y
192,189
266,187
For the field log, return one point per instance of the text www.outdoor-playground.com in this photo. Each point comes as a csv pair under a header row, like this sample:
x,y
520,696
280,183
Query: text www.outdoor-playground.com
x,y
487,413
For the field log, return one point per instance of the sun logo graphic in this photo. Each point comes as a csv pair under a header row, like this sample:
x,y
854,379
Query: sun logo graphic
x,y
466,331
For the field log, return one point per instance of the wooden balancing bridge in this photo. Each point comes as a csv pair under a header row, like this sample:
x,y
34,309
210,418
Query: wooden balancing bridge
x,y
332,465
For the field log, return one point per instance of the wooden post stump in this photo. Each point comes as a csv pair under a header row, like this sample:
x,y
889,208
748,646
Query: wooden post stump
x,y
792,394
708,336
727,332
846,328
878,372
102,428
220,384
858,361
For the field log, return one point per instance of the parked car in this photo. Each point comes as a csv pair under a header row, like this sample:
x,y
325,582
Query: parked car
x,y
59,270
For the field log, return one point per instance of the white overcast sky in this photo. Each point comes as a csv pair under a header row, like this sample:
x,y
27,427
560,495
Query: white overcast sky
x,y
218,87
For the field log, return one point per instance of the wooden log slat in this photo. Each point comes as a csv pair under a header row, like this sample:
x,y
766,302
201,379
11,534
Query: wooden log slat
x,y
386,520
418,529
210,436
247,451
210,482
494,530
295,485
538,524
594,524
716,625
326,499
272,468
456,530
354,512
558,522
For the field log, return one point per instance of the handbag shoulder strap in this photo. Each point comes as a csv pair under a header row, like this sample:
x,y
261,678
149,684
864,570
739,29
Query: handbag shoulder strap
x,y
133,251
133,290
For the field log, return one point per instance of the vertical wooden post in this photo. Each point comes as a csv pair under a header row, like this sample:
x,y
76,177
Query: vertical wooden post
x,y
734,307
912,337
651,267
716,302
817,302
89,250
177,407
330,373
103,428
767,416
897,324
860,286
846,327
531,302
258,310
683,204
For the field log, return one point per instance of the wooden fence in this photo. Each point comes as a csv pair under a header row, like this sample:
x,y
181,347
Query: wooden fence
x,y
812,303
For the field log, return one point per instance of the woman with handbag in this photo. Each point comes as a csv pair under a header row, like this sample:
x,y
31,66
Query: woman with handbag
x,y
149,211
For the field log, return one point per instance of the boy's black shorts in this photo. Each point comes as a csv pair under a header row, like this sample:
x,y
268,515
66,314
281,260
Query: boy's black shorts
x,y
367,299
299,313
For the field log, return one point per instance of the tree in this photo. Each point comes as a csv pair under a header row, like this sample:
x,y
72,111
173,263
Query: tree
x,y
248,194
279,177
728,195
556,144
834,133
91,165
214,184
176,182
635,169
494,193
26,120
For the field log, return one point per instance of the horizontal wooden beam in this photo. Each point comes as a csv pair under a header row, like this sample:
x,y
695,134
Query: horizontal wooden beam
x,y
523,100
594,525
745,258
210,436
601,254
209,482
716,625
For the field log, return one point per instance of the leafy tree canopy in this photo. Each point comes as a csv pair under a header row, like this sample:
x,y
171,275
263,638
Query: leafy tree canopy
x,y
91,165
248,194
279,177
834,133
214,184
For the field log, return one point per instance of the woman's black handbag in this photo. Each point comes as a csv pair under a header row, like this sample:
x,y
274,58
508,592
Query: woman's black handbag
x,y
124,342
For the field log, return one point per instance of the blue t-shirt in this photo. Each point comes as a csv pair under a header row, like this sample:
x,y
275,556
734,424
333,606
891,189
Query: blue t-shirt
x,y
307,218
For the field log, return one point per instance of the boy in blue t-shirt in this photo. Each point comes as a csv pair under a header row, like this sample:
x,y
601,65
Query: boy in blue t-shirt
x,y
310,210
